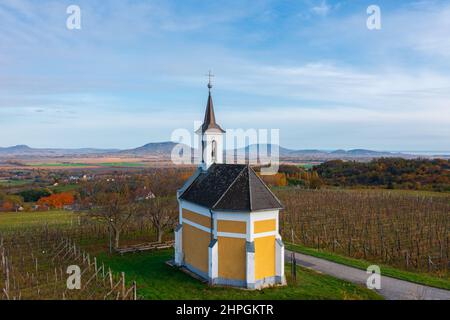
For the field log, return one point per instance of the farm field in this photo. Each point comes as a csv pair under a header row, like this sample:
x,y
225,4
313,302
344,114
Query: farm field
x,y
87,165
402,229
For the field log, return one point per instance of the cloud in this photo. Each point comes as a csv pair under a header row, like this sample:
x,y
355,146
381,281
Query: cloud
x,y
322,9
136,64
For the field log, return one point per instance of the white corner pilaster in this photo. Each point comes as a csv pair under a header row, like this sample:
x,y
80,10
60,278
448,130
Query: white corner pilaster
x,y
250,263
213,271
179,245
279,253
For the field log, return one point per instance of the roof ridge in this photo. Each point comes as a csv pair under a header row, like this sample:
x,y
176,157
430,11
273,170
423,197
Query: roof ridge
x,y
267,188
189,182
249,189
229,187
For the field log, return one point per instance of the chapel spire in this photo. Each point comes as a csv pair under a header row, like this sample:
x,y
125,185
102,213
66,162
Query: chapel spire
x,y
209,121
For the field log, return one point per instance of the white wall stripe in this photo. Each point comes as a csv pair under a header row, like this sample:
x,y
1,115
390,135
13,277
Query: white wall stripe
x,y
195,208
232,235
232,216
266,215
196,225
265,234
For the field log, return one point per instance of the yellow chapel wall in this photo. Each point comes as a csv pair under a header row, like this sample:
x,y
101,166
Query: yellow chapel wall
x,y
264,257
265,249
195,241
231,250
265,225
197,218
232,226
232,258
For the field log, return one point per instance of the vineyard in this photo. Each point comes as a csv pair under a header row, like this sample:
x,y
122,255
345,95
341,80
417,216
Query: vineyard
x,y
34,260
409,231
34,265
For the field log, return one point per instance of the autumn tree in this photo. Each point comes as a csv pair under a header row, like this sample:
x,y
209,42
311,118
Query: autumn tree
x,y
57,200
315,182
276,180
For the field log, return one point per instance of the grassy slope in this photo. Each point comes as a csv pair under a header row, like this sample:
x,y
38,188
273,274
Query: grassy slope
x,y
421,278
156,280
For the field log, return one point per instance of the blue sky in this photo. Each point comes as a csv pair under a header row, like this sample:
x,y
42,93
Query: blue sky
x,y
135,72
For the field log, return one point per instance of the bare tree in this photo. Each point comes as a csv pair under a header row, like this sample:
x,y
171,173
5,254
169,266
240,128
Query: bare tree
x,y
112,200
162,213
160,205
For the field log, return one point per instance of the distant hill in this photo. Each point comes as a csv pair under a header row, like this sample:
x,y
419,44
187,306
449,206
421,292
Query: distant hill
x,y
164,149
318,154
271,149
154,149
24,150
361,152
17,149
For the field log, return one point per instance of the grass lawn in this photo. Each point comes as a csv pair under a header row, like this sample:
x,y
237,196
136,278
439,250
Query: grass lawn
x,y
156,280
17,220
65,188
416,277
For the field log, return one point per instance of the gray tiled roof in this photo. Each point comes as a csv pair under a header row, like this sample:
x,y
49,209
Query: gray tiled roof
x,y
231,187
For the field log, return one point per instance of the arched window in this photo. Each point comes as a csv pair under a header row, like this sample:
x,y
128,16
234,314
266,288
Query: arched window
x,y
214,151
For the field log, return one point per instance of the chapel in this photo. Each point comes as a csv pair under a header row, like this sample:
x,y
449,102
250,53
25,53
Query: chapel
x,y
228,231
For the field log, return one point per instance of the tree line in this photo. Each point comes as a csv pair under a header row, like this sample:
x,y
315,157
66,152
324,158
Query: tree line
x,y
390,173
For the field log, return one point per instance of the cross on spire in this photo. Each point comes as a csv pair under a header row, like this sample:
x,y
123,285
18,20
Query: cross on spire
x,y
209,75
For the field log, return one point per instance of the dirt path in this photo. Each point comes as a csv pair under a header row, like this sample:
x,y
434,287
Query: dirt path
x,y
391,288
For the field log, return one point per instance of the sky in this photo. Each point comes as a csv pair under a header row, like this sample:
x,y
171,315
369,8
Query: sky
x,y
135,72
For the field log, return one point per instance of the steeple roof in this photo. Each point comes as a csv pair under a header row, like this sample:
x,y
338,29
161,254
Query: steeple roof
x,y
209,121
